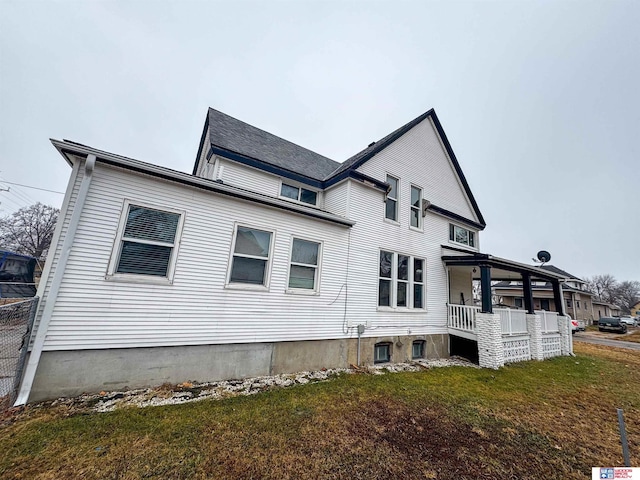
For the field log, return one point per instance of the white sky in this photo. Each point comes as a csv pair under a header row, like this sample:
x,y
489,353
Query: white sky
x,y
539,99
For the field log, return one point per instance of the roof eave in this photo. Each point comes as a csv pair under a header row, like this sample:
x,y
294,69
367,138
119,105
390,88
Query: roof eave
x,y
69,148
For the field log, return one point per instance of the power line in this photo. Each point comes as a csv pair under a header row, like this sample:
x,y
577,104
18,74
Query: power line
x,y
29,186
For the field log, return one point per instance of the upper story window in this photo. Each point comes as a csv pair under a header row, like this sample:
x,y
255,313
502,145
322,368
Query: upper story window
x,y
305,260
400,281
299,194
391,203
147,242
462,235
416,207
251,256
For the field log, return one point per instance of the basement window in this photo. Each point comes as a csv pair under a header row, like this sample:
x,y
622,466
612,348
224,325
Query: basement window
x,y
417,349
382,353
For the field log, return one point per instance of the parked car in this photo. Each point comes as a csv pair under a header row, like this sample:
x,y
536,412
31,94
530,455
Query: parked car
x,y
629,320
612,324
576,325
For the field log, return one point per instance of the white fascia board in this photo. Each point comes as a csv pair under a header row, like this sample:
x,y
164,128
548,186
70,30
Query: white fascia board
x,y
66,147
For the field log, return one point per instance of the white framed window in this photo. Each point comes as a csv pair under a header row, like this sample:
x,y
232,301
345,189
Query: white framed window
x,y
146,244
299,194
391,202
251,255
304,267
416,207
462,235
401,281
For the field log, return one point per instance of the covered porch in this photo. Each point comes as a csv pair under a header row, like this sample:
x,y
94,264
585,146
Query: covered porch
x,y
502,334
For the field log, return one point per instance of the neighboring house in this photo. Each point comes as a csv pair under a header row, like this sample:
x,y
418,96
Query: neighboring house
x,y
635,310
268,258
578,300
603,309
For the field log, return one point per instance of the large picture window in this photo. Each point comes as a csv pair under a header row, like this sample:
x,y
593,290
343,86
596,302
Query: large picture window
x,y
391,203
461,235
400,281
147,242
251,254
303,271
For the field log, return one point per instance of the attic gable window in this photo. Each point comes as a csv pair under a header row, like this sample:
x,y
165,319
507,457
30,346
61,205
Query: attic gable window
x,y
147,242
461,235
299,194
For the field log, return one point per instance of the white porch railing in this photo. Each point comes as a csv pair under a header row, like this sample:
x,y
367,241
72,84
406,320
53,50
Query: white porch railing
x,y
514,322
462,317
549,321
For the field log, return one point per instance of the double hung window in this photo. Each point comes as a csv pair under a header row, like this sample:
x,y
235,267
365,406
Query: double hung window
x,y
461,235
147,242
251,256
303,271
416,207
391,202
299,194
400,281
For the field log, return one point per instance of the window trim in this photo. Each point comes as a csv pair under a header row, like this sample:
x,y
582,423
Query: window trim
x,y
453,226
396,199
393,292
299,186
267,271
318,267
118,242
420,227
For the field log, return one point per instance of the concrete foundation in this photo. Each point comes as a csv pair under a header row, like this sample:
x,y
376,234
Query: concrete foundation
x,y
71,373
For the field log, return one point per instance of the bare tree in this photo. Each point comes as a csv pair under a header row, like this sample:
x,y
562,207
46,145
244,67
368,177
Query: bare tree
x,y
627,295
29,230
603,287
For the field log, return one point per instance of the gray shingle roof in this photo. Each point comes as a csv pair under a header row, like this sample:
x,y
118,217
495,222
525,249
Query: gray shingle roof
x,y
232,134
554,269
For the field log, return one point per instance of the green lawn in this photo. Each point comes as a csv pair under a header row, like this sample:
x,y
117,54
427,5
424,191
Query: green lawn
x,y
552,419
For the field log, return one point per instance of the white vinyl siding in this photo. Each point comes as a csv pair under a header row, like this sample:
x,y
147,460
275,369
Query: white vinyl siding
x,y
197,309
420,158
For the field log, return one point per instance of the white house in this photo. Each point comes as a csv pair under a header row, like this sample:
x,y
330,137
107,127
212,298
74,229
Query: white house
x,y
268,258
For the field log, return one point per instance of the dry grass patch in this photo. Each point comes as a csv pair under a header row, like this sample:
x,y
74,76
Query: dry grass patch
x,y
552,419
632,337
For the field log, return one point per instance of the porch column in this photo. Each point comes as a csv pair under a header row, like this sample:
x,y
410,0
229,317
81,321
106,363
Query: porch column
x,y
485,287
528,294
558,297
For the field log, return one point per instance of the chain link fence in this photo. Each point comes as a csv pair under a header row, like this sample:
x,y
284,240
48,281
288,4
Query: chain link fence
x,y
16,322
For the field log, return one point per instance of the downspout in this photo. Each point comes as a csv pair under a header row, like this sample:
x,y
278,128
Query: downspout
x,y
49,302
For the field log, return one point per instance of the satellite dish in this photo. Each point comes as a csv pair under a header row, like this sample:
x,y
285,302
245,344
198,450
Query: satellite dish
x,y
544,256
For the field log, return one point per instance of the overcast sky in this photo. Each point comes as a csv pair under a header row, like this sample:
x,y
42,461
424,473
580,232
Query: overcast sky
x,y
540,99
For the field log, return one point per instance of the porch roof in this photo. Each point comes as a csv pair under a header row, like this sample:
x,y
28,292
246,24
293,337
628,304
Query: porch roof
x,y
501,268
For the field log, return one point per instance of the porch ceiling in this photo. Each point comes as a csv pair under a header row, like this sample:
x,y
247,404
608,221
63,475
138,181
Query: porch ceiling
x,y
501,268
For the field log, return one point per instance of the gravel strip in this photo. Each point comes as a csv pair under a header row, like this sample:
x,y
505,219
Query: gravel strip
x,y
193,391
